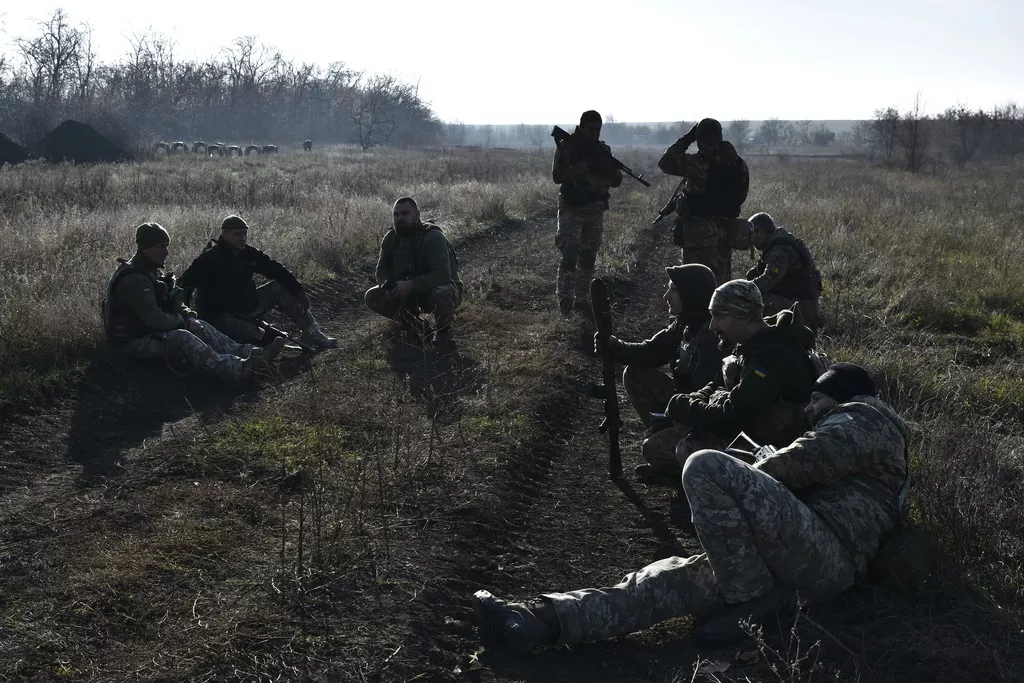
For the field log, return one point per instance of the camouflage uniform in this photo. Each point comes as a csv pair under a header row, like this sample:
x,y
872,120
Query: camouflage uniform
x,y
426,258
694,358
762,390
805,520
786,274
717,181
582,201
142,320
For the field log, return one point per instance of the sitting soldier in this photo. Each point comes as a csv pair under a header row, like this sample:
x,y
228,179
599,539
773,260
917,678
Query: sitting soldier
x,y
226,295
762,387
786,273
687,345
417,272
144,316
802,523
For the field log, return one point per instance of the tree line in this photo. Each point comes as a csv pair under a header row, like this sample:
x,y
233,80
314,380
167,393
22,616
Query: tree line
x,y
248,92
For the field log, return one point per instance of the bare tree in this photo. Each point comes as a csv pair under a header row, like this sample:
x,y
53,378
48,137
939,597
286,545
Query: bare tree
x,y
966,129
54,62
914,136
772,132
738,132
804,131
375,110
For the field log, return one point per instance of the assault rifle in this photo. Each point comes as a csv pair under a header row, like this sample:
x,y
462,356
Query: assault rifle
x,y
561,137
677,196
611,423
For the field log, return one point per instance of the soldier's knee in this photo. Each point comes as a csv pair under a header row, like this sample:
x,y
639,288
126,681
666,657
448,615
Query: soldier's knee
x,y
705,464
373,298
587,259
570,256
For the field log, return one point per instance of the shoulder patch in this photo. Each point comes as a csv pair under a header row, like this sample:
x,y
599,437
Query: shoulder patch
x,y
760,373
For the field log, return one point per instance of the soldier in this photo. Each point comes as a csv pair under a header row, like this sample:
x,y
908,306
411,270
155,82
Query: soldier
x,y
716,186
688,346
786,273
583,169
226,295
762,388
417,272
144,316
803,522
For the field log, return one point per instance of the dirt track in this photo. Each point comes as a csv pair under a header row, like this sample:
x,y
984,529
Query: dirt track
x,y
514,512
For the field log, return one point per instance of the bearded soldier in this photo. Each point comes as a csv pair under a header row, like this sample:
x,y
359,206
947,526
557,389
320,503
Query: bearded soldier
x,y
802,523
144,316
786,273
417,272
584,170
716,185
688,346
223,279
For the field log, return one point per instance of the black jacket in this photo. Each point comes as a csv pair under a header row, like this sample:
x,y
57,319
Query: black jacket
x,y
223,280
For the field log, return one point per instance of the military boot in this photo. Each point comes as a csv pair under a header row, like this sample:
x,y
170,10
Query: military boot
x,y
518,625
254,369
269,352
312,336
726,627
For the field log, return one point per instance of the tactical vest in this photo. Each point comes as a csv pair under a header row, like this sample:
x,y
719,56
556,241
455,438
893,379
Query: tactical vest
x,y
724,193
577,194
119,322
805,282
453,258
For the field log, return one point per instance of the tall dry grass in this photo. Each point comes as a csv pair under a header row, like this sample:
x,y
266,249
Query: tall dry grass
x,y
63,227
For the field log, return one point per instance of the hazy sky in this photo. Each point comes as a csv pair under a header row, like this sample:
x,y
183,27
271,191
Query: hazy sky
x,y
537,61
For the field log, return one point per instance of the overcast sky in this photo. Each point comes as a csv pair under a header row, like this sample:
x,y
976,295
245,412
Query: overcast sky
x,y
537,61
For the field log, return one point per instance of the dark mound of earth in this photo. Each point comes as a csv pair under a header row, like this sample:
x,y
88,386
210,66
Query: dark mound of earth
x,y
80,143
11,152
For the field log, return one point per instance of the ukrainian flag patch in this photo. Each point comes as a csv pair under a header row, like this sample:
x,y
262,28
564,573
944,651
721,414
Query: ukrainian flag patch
x,y
760,373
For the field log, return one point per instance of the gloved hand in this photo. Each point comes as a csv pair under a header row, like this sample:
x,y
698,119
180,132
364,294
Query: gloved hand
x,y
602,345
689,137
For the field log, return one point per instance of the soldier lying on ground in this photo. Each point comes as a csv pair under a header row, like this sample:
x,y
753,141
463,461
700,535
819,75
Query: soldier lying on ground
x,y
584,170
226,295
687,345
761,390
144,316
786,273
417,272
802,523
717,181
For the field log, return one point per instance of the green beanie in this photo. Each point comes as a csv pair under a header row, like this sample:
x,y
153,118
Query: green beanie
x,y
233,222
149,235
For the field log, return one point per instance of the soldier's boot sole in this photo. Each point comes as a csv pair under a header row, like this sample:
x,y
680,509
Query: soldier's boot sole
x,y
727,628
512,624
271,351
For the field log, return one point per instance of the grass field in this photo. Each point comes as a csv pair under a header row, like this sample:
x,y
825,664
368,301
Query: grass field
x,y
353,480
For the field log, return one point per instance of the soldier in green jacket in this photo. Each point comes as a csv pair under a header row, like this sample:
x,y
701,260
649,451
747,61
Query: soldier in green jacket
x,y
802,523
144,316
786,273
417,272
763,386
687,346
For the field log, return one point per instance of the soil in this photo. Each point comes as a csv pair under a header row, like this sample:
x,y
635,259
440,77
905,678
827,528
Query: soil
x,y
79,143
11,152
120,451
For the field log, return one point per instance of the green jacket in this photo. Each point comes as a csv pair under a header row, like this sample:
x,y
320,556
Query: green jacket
x,y
425,257
775,378
138,302
852,471
690,350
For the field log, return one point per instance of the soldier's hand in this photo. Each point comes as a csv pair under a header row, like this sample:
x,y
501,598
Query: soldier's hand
x,y
690,137
403,288
193,325
681,428
602,345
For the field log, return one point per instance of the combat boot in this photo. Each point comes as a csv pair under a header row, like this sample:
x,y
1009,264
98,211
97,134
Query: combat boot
x,y
518,625
312,336
254,368
726,627
271,351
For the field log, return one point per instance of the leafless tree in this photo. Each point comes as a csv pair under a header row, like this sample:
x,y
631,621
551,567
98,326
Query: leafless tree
x,y
738,132
966,130
914,136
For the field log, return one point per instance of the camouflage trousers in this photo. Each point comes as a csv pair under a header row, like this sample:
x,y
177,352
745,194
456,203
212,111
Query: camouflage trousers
x,y
578,239
711,241
806,312
210,350
757,535
442,301
245,327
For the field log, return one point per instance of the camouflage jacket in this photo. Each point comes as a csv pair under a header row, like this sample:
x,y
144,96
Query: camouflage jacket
x,y
691,351
787,268
717,179
425,257
580,186
852,471
138,302
774,376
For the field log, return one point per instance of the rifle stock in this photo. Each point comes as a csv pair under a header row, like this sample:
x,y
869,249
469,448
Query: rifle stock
x,y
612,423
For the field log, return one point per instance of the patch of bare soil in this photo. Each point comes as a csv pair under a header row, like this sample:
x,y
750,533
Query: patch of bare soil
x,y
333,526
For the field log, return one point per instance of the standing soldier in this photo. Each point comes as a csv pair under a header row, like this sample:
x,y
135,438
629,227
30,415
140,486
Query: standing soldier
x,y
786,273
584,170
417,272
223,279
144,316
716,186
